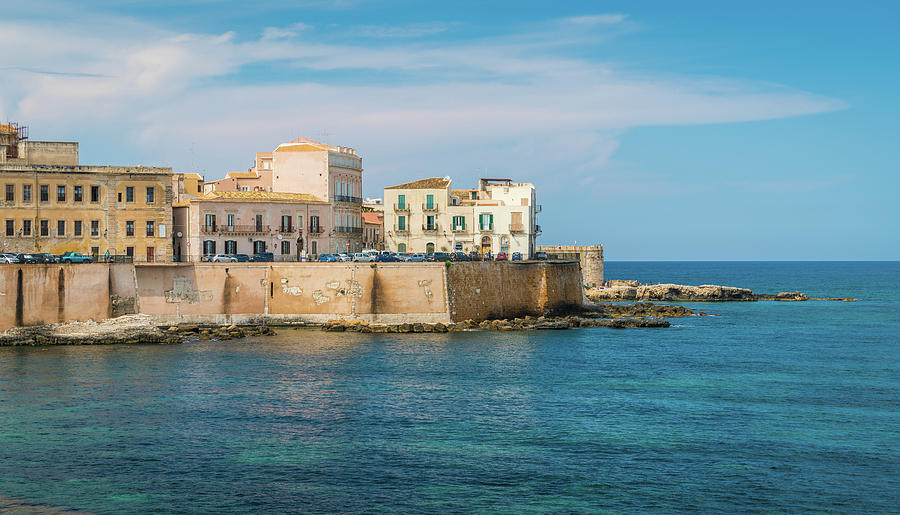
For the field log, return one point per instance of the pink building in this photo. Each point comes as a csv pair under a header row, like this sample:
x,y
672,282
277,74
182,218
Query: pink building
x,y
289,225
310,167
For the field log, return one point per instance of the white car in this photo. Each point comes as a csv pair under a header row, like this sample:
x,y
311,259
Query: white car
x,y
364,257
9,258
223,258
344,256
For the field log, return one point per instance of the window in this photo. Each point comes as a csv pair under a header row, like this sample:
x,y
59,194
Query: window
x,y
209,247
129,228
230,222
60,228
286,221
429,201
486,221
10,227
120,196
401,201
129,251
429,248
95,193
95,253
474,196
60,193
45,193
77,193
401,223
26,227
10,192
314,224
210,223
230,247
285,247
26,193
199,188
150,228
151,194
401,248
259,247
76,229
129,194
259,224
95,227
459,223
300,221
429,223
314,247
45,228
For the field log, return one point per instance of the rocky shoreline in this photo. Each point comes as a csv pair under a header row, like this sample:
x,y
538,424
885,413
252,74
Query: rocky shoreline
x,y
144,329
634,291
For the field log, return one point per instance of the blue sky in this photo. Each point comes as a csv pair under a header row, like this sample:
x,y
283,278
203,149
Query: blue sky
x,y
665,130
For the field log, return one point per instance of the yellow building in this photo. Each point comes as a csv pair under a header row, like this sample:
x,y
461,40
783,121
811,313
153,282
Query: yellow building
x,y
186,186
56,208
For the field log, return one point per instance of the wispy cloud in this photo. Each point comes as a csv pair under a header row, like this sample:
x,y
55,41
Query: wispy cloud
x,y
596,19
270,33
414,30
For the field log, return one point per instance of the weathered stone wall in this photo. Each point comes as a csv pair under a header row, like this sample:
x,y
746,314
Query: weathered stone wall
x,y
32,295
589,256
484,290
387,293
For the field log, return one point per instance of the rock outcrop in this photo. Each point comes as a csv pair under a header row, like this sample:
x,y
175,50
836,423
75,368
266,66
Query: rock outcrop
x,y
671,292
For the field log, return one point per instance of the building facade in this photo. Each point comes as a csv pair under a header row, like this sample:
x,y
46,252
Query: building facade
x,y
428,216
306,166
373,230
52,204
292,226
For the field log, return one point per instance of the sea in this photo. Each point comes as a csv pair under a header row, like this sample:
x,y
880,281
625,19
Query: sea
x,y
764,407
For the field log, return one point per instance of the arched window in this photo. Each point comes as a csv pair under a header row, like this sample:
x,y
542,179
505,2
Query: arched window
x,y
429,248
504,244
401,247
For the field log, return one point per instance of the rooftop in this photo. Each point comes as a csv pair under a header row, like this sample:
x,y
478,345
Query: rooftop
x,y
372,217
253,196
433,183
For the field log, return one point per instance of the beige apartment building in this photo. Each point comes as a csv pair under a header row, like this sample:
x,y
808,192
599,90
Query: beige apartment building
x,y
289,225
429,216
309,167
52,204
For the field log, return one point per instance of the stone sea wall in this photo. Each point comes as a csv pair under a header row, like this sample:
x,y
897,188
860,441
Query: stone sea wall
x,y
247,293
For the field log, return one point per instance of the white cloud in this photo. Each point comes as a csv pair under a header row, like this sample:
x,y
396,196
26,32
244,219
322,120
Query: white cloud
x,y
443,109
596,19
414,30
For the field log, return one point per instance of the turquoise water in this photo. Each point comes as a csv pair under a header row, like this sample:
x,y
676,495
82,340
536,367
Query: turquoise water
x,y
767,407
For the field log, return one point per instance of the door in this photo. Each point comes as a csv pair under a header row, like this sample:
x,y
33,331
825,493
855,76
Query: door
x,y
429,248
151,254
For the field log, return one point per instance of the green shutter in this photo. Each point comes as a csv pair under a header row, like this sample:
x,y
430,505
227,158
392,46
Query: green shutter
x,y
492,221
429,201
401,223
401,201
463,224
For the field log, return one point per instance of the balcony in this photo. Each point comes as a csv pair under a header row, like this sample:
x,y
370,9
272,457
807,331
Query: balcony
x,y
516,228
405,229
315,229
538,208
430,228
537,229
459,228
244,229
427,208
486,228
346,229
401,207
287,229
209,229
347,198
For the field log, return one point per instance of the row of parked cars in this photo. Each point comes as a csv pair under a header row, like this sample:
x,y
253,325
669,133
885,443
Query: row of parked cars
x,y
261,257
406,257
44,257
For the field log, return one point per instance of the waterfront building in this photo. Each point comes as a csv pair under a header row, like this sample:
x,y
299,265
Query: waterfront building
x,y
429,216
373,230
289,225
309,167
51,203
185,186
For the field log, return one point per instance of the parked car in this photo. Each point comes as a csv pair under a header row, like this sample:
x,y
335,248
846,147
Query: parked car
x,y
516,256
9,258
387,257
328,258
440,256
474,256
402,257
30,258
541,255
242,258
75,257
364,257
460,256
223,258
206,257
262,257
501,256
49,258
343,256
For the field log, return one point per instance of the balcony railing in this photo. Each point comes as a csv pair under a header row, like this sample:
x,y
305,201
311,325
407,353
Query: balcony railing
x,y
343,228
347,198
487,228
315,229
459,228
433,207
286,229
246,229
516,228
430,228
398,229
209,228
401,207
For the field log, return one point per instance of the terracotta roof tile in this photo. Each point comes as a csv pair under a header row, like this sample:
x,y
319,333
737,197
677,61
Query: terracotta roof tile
x,y
256,196
432,183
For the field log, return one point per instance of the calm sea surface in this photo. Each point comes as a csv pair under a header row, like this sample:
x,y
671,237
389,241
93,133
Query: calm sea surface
x,y
767,407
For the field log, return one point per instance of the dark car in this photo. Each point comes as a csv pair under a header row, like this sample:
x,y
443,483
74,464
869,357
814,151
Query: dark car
x,y
49,258
501,256
259,257
460,256
440,256
474,256
241,258
541,255
386,257
516,256
30,258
